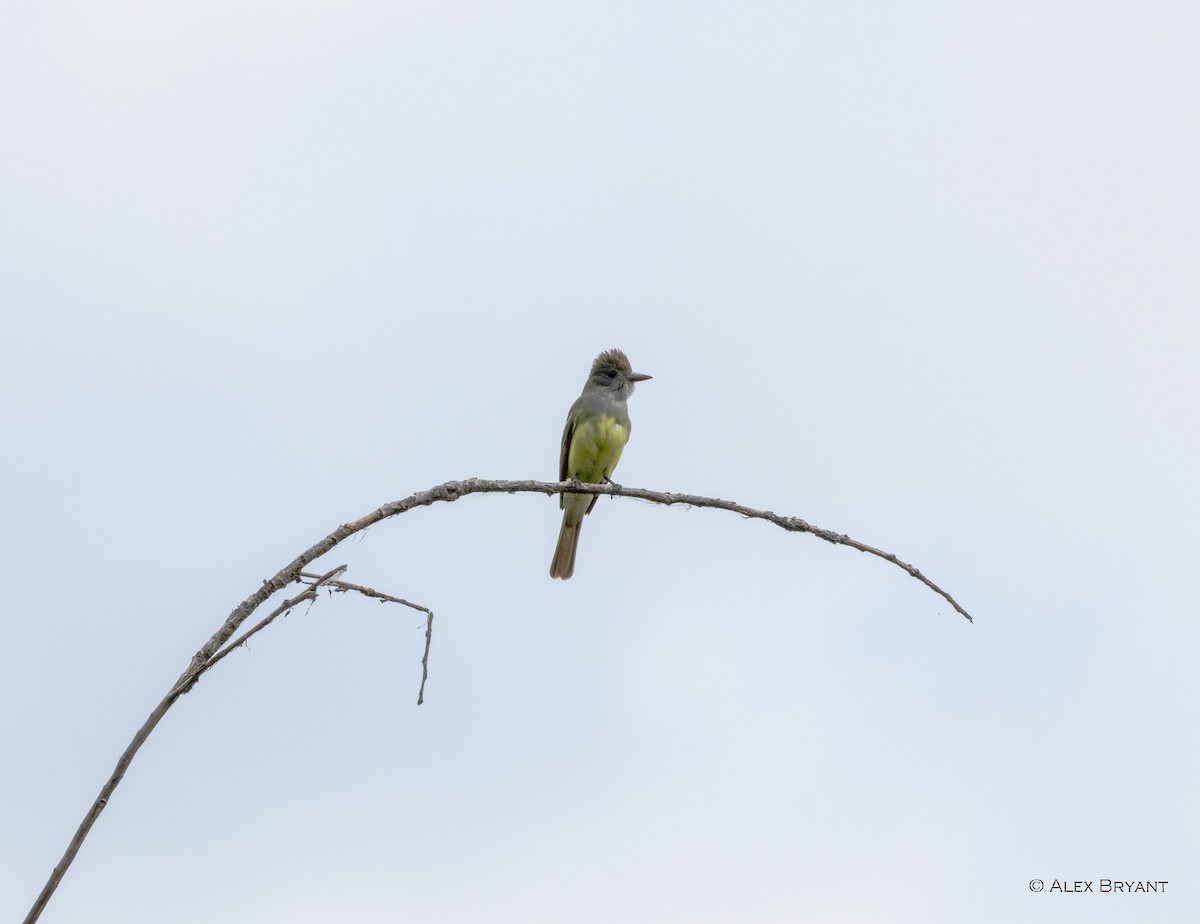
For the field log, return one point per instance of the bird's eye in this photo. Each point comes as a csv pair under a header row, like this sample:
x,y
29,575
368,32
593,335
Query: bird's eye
x,y
612,373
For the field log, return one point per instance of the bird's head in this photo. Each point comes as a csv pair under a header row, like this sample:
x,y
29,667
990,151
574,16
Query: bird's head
x,y
611,371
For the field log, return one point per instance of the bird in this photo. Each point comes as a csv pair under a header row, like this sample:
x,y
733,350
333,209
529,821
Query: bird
x,y
596,432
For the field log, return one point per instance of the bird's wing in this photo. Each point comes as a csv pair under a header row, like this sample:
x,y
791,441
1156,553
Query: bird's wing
x,y
564,451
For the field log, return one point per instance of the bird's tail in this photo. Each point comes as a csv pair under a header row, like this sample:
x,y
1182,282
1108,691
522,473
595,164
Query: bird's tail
x,y
563,565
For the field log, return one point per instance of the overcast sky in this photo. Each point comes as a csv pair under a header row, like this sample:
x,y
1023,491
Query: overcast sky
x,y
922,273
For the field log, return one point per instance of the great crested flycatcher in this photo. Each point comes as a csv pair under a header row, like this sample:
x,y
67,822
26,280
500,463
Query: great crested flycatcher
x,y
596,432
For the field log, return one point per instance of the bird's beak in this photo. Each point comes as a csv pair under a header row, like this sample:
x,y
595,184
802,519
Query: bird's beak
x,y
639,376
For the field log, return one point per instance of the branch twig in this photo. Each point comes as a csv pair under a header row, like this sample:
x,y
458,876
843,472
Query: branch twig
x,y
310,594
425,657
204,658
347,587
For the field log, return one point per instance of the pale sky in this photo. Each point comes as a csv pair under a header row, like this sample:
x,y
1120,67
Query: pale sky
x,y
924,274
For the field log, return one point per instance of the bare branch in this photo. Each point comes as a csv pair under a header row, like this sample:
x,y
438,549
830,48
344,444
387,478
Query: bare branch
x,y
425,657
453,490
206,656
347,587
310,594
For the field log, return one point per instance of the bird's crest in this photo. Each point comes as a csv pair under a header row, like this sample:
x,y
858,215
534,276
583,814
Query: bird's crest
x,y
612,359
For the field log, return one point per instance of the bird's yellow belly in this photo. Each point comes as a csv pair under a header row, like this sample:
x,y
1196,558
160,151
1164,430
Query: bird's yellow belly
x,y
596,447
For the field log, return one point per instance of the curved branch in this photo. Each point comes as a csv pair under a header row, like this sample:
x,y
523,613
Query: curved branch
x,y
453,490
207,655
